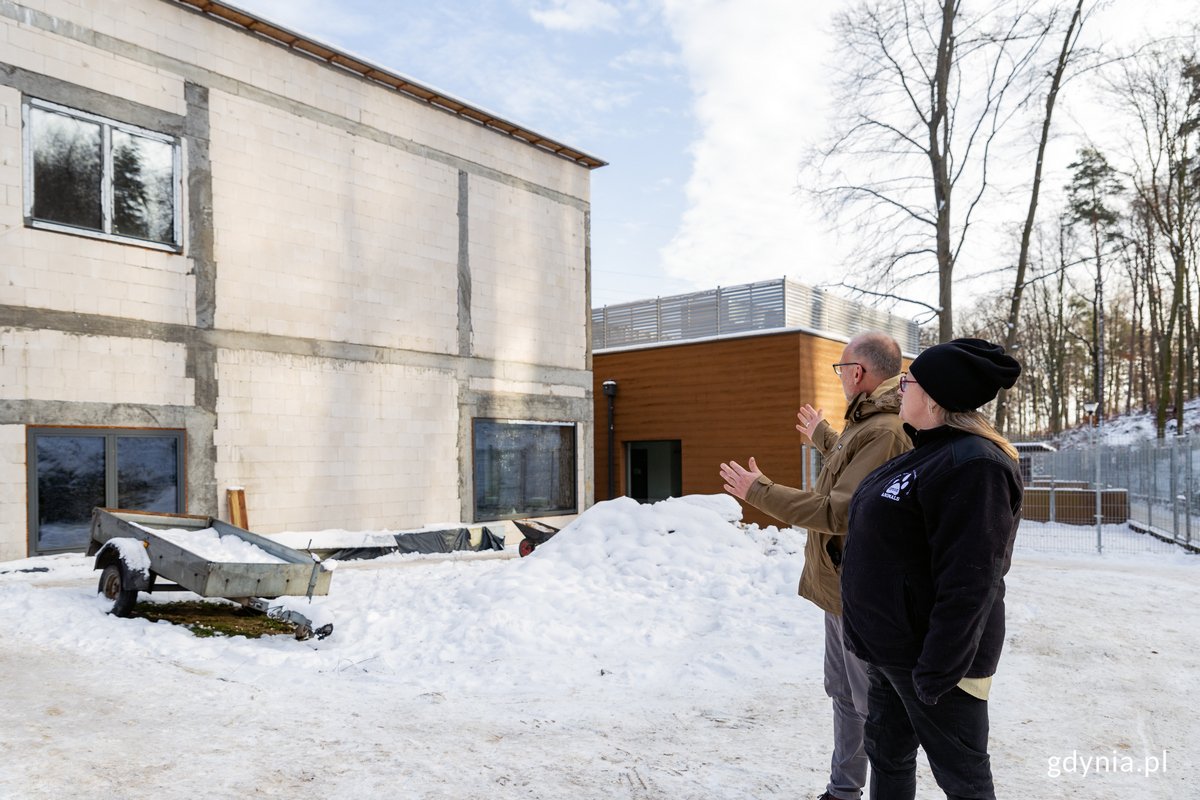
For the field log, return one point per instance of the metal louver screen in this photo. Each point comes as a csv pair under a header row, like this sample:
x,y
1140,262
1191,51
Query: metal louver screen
x,y
736,309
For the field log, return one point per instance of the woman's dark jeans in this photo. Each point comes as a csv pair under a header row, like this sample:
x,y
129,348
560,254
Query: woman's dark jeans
x,y
954,733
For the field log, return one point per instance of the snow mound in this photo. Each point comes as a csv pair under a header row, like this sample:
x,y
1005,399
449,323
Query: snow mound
x,y
648,594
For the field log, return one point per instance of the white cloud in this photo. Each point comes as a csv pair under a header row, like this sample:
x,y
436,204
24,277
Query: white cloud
x,y
647,58
757,73
576,15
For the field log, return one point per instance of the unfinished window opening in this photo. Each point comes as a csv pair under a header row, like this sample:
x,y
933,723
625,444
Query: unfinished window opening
x,y
523,469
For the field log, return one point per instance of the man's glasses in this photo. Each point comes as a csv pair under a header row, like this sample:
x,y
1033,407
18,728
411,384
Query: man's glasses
x,y
837,368
905,381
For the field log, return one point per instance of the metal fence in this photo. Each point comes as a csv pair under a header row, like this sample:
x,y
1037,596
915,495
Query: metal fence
x,y
1133,498
727,310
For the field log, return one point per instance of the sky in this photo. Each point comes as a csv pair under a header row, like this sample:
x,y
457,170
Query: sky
x,y
703,109
650,651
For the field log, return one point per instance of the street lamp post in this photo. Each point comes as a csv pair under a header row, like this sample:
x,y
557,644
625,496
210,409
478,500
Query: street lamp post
x,y
610,391
1091,408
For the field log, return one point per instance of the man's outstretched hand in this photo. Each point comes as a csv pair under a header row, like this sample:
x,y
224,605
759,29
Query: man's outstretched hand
x,y
809,419
737,479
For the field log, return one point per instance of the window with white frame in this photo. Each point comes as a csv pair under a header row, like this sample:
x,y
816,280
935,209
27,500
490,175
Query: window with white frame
x,y
99,177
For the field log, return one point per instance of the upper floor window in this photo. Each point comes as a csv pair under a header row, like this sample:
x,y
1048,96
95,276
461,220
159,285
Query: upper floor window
x,y
87,174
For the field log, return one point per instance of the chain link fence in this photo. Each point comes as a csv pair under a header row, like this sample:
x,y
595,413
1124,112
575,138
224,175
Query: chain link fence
x,y
1132,498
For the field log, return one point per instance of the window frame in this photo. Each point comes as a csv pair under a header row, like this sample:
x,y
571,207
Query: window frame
x,y
528,513
107,126
34,432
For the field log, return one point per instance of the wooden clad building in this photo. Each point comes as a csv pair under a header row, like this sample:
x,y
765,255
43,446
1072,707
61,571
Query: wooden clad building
x,y
684,404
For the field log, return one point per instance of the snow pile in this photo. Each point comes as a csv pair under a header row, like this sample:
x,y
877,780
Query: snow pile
x,y
650,594
626,589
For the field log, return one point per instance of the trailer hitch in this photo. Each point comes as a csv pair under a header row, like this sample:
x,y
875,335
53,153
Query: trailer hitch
x,y
304,627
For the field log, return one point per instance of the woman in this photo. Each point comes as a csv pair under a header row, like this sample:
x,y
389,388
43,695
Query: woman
x,y
930,540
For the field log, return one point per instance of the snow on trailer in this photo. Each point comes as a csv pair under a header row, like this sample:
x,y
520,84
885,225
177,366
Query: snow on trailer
x,y
203,555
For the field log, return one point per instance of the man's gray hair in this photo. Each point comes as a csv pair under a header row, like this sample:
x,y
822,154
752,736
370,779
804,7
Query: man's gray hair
x,y
879,352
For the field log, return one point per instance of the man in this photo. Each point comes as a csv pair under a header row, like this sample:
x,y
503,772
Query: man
x,y
869,370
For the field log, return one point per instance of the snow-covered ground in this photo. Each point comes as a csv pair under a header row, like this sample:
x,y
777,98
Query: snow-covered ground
x,y
644,652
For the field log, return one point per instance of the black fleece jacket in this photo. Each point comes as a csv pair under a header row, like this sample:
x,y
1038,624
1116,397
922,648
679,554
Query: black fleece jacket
x,y
931,538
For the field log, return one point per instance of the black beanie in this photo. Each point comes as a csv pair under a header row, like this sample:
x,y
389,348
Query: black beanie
x,y
964,374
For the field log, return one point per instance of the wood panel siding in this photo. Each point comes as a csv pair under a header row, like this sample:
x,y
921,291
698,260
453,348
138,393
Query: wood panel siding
x,y
723,399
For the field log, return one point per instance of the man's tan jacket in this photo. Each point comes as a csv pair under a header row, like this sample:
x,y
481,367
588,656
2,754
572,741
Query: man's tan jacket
x,y
873,435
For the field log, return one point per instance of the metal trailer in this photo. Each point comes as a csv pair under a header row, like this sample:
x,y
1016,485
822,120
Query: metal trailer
x,y
116,541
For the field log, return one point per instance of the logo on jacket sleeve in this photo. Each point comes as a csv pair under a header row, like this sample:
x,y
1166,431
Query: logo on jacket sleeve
x,y
900,486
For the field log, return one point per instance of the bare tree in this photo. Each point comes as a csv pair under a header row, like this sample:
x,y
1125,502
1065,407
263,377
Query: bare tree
x,y
1046,324
924,94
1156,87
1067,56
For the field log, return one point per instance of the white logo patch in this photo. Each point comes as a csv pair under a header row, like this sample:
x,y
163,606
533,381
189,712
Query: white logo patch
x,y
898,486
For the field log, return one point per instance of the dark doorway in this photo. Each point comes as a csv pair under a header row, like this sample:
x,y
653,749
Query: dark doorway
x,y
655,470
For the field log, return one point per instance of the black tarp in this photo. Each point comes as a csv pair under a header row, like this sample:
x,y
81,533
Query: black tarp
x,y
435,541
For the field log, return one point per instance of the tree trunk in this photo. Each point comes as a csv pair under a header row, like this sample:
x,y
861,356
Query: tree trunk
x,y
1014,310
939,145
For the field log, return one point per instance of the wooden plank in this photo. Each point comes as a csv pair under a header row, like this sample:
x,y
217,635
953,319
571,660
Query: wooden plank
x,y
237,507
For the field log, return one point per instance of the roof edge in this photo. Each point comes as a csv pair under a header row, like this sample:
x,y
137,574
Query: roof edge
x,y
443,101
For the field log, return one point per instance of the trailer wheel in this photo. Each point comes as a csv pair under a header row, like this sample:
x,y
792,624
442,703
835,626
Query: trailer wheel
x,y
525,547
112,579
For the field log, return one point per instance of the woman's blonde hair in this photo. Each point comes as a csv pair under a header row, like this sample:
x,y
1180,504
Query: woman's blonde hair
x,y
976,423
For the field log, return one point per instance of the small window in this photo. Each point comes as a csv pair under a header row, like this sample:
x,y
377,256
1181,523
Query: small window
x,y
73,470
87,174
523,469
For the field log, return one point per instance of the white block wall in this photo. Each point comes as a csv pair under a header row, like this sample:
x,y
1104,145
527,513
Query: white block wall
x,y
50,365
528,277
62,57
317,443
14,533
321,234
11,180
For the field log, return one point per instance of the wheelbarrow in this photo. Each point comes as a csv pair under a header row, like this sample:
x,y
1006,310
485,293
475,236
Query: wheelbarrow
x,y
535,533
133,550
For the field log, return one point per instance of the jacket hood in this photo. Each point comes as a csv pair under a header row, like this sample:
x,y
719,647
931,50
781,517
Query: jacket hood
x,y
884,400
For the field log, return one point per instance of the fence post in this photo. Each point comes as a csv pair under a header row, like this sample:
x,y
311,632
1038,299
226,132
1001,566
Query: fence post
x,y
1053,480
1099,512
1190,492
1174,491
1148,479
1154,448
